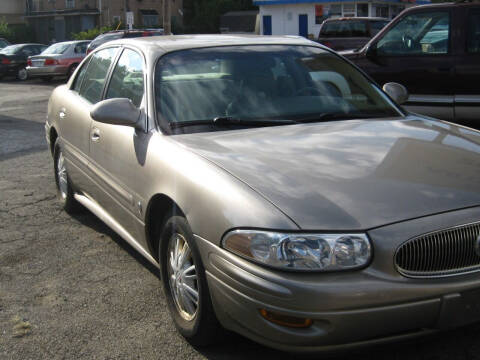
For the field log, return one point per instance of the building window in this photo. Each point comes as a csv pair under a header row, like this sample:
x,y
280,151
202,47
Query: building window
x,y
335,10
362,10
319,15
349,10
381,11
150,20
69,4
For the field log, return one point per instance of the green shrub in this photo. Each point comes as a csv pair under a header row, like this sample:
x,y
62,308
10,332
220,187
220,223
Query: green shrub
x,y
91,33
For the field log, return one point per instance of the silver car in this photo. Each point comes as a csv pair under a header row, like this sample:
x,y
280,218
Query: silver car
x,y
60,59
282,194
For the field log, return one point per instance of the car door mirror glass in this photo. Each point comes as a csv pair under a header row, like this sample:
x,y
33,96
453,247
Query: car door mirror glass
x,y
397,92
118,111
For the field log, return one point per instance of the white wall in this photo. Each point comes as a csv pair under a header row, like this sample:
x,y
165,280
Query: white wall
x,y
285,18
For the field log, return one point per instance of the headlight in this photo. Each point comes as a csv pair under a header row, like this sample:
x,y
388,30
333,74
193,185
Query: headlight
x,y
295,251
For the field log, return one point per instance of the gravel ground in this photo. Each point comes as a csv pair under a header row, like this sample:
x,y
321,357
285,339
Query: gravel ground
x,y
72,289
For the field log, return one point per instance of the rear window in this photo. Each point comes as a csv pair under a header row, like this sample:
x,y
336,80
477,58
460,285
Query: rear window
x,y
343,28
59,48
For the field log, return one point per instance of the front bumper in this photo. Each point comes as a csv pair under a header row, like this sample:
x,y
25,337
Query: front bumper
x,y
57,70
348,309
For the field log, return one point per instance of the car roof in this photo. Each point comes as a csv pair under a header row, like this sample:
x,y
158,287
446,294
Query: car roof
x,y
168,43
444,5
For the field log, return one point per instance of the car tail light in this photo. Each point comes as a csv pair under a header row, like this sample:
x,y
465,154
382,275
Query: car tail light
x,y
6,61
147,33
29,62
50,62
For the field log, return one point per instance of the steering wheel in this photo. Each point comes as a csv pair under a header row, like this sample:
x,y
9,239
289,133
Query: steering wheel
x,y
311,89
408,41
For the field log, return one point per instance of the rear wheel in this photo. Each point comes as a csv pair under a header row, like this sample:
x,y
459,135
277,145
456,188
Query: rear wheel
x,y
64,188
22,74
185,284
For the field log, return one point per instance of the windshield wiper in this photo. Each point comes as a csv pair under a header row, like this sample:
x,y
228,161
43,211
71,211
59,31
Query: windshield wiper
x,y
339,116
232,121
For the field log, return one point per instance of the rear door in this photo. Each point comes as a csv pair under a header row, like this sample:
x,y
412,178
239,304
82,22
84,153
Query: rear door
x,y
74,115
417,52
467,97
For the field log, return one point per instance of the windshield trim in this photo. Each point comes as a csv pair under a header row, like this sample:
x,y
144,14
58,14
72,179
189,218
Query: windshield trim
x,y
163,125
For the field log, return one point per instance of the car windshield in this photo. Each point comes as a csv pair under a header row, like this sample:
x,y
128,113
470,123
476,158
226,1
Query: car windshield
x,y
59,48
10,50
264,82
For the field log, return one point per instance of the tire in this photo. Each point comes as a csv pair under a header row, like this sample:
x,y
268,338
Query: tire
x,y
65,192
71,70
199,327
22,74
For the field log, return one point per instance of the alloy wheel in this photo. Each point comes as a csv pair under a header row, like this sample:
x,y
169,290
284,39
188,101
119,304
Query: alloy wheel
x,y
22,74
182,277
62,176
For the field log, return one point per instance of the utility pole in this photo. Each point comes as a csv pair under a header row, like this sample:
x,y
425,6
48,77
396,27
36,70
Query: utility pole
x,y
167,26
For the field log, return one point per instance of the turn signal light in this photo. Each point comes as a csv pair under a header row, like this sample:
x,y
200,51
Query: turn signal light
x,y
29,62
50,62
286,320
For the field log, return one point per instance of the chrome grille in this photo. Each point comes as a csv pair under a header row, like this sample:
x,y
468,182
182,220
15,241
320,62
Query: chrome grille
x,y
442,253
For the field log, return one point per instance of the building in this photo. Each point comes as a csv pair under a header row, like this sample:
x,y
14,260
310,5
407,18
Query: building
x,y
56,20
239,22
304,17
12,11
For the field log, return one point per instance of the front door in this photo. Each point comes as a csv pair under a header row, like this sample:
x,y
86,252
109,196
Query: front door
x,y
117,151
417,53
303,25
267,25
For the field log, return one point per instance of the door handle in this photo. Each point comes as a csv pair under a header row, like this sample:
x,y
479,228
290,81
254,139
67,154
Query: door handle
x,y
62,113
95,135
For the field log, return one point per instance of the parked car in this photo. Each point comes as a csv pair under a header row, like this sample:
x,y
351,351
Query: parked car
x,y
60,59
121,34
349,33
13,59
434,50
3,43
280,191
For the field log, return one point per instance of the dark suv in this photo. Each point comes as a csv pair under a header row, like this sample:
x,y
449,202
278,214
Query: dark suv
x,y
119,34
349,33
434,50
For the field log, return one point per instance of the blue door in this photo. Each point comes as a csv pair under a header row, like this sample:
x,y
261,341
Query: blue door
x,y
303,25
267,25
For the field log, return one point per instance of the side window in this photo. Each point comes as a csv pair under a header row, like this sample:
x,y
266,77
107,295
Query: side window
x,y
473,37
80,48
417,34
77,83
95,75
127,78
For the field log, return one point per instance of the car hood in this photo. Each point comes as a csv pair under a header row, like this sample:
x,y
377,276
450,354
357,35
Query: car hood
x,y
355,174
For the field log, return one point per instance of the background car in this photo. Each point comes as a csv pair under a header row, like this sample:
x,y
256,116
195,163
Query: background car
x,y
13,59
280,191
120,34
349,33
60,59
434,50
3,43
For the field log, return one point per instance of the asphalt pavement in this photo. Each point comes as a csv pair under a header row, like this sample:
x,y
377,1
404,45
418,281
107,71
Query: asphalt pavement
x,y
70,288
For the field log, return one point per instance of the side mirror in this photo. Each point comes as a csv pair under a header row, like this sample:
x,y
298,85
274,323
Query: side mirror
x,y
120,111
397,92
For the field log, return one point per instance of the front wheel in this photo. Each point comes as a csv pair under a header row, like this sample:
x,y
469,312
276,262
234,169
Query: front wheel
x,y
185,284
22,74
64,188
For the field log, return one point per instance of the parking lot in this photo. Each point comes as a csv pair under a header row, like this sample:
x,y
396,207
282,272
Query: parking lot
x,y
71,288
